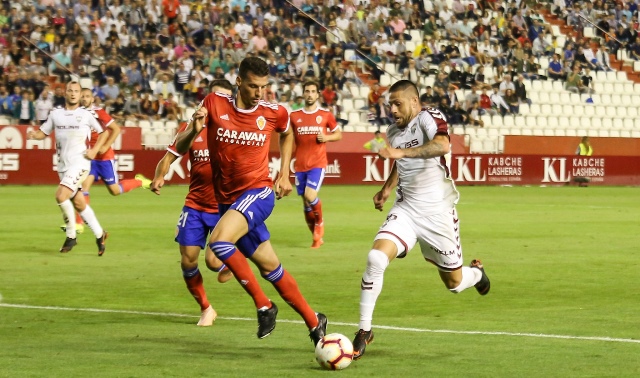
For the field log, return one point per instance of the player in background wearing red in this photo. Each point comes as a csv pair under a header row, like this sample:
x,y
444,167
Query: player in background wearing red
x,y
73,125
309,126
238,133
199,215
103,166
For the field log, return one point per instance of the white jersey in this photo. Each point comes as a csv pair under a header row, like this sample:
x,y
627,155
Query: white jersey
x,y
73,132
425,186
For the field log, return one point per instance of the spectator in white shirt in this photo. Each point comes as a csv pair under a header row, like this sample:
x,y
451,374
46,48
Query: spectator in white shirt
x,y
506,84
44,104
242,28
498,102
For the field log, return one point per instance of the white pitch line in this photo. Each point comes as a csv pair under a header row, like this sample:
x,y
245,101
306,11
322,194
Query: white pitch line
x,y
392,328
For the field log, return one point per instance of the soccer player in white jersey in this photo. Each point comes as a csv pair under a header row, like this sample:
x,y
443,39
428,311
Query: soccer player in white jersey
x,y
424,211
72,126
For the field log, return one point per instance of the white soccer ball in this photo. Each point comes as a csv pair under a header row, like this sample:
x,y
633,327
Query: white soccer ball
x,y
334,352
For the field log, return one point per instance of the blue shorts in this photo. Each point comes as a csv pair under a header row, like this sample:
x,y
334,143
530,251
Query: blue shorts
x,y
194,227
312,179
105,170
256,205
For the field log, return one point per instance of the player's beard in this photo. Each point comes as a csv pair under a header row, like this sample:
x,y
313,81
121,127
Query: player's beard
x,y
310,102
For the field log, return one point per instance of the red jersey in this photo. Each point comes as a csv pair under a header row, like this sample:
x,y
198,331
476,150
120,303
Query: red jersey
x,y
239,144
104,119
306,127
201,196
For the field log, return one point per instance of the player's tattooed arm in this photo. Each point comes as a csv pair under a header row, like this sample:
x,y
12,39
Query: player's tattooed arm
x,y
161,170
439,146
184,140
381,197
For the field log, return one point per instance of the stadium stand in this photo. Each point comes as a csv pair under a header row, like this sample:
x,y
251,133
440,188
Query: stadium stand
x,y
509,66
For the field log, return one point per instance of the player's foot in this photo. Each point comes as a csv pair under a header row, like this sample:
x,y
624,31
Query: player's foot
x,y
224,274
267,321
484,284
68,245
146,183
318,333
360,342
100,242
317,243
318,231
207,318
79,228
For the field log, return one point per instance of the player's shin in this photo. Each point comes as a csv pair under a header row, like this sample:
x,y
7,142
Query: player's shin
x,y
90,219
129,184
193,279
371,286
288,289
86,199
239,266
316,209
310,218
66,207
470,277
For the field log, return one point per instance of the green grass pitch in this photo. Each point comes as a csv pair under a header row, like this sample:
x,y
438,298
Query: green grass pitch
x,y
563,262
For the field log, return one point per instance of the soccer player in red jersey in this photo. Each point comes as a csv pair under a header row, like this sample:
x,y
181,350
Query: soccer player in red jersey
x,y
238,133
198,217
309,126
103,166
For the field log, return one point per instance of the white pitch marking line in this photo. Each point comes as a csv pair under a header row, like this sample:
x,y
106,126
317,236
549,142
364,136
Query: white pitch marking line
x,y
392,328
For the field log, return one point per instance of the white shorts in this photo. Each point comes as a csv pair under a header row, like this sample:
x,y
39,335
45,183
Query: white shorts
x,y
73,177
438,235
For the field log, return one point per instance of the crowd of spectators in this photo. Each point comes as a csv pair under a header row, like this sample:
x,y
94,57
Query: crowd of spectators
x,y
148,59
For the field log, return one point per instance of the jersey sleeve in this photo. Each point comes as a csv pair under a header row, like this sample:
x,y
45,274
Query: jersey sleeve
x,y
93,122
433,122
172,147
332,124
47,126
282,120
103,117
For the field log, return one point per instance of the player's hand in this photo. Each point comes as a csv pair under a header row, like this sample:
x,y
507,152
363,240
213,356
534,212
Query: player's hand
x,y
321,138
282,186
90,154
198,118
31,134
380,198
156,184
390,153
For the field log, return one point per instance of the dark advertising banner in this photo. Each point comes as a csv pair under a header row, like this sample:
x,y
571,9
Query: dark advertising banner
x,y
28,167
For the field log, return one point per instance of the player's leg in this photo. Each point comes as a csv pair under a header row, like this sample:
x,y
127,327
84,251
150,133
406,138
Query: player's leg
x,y
191,235
313,184
301,184
89,217
440,244
213,263
395,239
265,258
63,198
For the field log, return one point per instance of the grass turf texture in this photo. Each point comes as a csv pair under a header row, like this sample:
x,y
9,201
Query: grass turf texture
x,y
561,260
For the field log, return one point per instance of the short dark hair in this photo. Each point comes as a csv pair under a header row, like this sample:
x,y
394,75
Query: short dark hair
x,y
309,83
403,85
255,65
222,83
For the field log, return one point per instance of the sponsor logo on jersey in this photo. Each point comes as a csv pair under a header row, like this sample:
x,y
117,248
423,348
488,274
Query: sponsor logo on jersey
x,y
225,117
306,130
261,122
200,155
248,138
318,119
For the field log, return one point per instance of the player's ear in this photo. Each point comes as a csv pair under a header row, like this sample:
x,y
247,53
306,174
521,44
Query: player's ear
x,y
238,81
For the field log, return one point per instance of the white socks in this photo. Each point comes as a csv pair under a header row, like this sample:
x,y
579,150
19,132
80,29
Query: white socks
x,y
470,277
377,262
69,218
90,219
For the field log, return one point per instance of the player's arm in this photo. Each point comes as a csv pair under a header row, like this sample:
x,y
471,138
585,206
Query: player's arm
x,y
92,152
161,170
333,137
114,131
283,184
438,146
381,197
37,135
185,139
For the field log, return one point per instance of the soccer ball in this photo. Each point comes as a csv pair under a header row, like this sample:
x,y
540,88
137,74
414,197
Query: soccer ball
x,y
334,352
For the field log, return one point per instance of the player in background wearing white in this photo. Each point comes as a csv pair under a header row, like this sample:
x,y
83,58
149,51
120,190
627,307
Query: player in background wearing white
x,y
103,166
310,126
424,211
72,126
199,215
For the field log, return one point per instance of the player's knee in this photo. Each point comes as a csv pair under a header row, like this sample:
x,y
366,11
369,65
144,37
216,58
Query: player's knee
x,y
114,190
222,250
377,261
